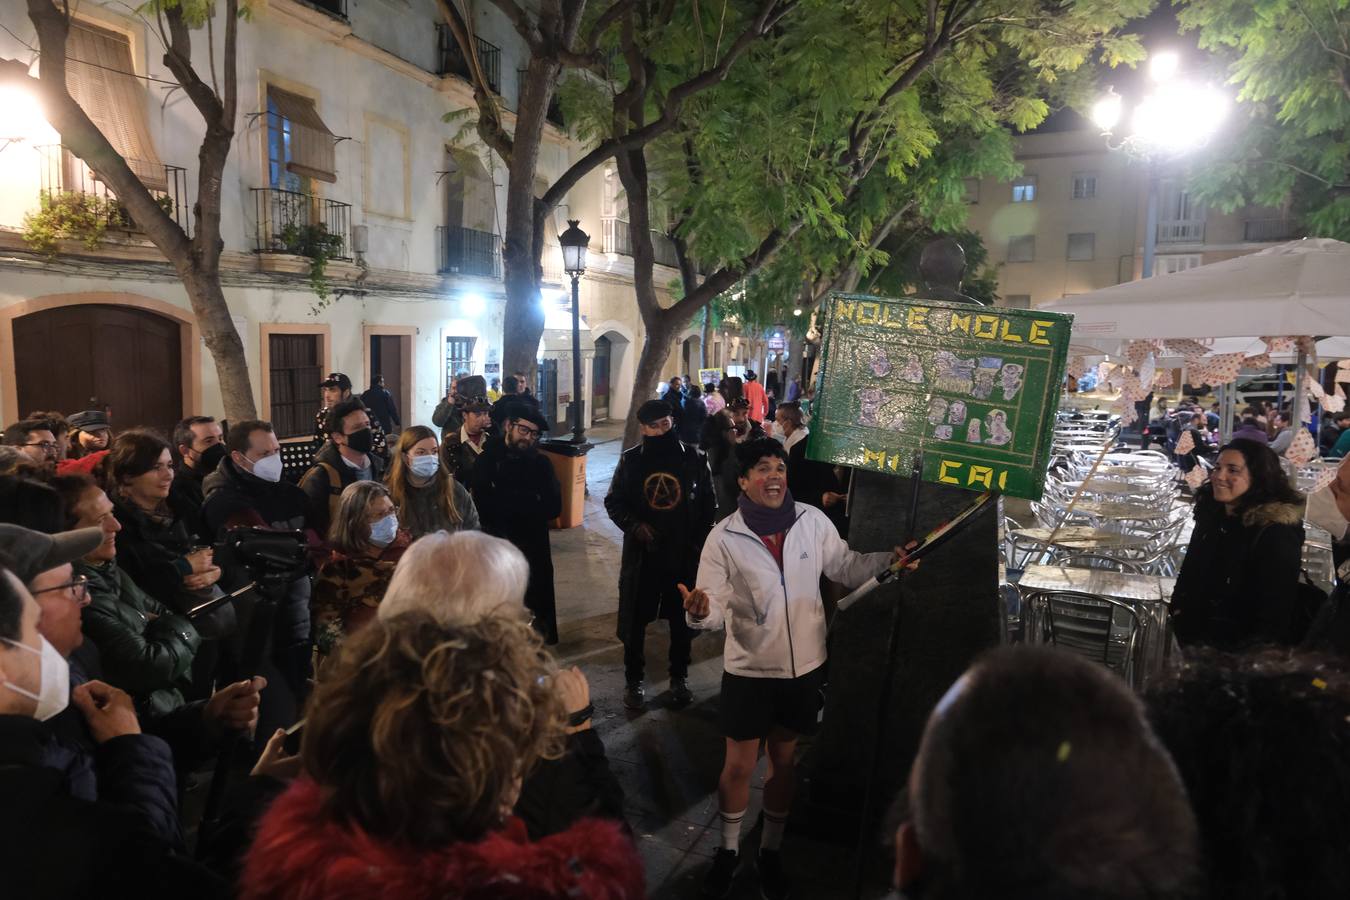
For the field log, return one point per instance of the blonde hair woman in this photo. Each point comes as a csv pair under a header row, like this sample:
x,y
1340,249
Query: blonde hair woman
x,y
414,751
364,543
425,491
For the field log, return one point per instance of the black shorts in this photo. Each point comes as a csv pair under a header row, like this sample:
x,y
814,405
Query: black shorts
x,y
752,707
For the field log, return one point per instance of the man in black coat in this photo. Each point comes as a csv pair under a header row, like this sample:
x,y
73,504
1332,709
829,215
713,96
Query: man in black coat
x,y
517,495
662,497
514,394
381,405
347,457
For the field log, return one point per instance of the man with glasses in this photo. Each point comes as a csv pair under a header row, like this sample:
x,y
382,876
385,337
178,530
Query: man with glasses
x,y
517,495
34,438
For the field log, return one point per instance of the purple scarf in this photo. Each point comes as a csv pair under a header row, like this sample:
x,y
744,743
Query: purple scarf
x,y
764,521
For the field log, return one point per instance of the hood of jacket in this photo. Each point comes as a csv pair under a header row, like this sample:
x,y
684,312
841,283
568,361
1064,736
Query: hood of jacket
x,y
301,852
1276,512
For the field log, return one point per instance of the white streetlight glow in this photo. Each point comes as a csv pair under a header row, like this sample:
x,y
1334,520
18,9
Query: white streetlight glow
x,y
1106,111
21,116
474,305
797,312
1164,65
1178,116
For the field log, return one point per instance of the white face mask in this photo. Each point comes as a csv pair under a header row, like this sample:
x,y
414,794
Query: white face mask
x,y
383,532
425,466
268,468
54,680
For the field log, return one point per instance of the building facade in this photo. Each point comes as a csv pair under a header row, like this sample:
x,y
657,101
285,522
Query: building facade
x,y
351,136
1075,220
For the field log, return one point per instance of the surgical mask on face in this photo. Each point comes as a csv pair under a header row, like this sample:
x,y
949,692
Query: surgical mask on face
x,y
268,468
424,466
383,532
54,680
361,441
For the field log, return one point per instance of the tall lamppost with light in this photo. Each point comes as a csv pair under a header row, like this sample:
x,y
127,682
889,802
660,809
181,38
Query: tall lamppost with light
x,y
574,242
1175,116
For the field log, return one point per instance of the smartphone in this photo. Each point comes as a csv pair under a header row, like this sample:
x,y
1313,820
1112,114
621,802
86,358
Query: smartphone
x,y
293,734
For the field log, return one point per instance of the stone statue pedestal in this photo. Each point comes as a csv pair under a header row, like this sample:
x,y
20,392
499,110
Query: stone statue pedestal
x,y
948,614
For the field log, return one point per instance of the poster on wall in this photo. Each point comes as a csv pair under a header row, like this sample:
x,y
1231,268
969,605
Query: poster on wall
x,y
973,389
709,376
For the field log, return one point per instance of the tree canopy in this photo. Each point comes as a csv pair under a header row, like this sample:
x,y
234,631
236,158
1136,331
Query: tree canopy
x,y
1290,138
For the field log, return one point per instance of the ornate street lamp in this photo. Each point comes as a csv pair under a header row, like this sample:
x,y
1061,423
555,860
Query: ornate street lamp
x,y
574,242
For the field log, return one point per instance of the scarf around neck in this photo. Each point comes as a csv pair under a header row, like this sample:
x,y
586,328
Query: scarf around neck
x,y
764,521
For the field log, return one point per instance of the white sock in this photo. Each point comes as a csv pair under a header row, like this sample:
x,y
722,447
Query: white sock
x,y
772,836
731,829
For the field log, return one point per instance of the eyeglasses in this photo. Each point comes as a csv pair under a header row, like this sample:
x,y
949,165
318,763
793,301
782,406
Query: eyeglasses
x,y
526,429
47,446
79,586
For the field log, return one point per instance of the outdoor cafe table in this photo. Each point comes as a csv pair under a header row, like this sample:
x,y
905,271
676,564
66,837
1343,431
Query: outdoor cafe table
x,y
1103,486
1081,537
1118,509
1150,596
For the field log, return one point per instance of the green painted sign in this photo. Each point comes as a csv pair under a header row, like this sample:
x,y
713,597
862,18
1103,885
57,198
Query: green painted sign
x,y
972,388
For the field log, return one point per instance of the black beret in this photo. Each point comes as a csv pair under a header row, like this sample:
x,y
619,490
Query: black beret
x,y
654,410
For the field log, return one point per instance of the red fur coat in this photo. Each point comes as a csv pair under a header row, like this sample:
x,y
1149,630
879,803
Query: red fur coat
x,y
300,854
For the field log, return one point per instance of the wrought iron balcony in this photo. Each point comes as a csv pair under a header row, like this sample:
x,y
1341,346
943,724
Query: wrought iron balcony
x,y
1181,231
62,172
1267,230
616,238
292,222
451,61
464,251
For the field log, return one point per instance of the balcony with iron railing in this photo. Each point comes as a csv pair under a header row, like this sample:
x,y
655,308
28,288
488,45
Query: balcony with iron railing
x,y
465,251
63,173
1267,230
1181,231
615,237
451,60
302,224
554,112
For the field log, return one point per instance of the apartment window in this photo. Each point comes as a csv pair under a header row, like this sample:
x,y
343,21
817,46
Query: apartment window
x,y
299,144
1082,246
1022,248
1171,264
294,371
1084,186
101,80
458,356
1024,189
1017,301
972,192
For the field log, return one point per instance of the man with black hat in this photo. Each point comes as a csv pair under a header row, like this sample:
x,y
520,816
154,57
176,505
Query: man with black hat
x,y
89,433
517,495
460,449
336,388
662,498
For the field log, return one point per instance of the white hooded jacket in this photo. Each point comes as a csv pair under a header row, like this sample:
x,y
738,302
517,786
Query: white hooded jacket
x,y
775,620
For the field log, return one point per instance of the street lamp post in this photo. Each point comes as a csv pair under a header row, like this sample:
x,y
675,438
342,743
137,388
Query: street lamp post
x,y
574,242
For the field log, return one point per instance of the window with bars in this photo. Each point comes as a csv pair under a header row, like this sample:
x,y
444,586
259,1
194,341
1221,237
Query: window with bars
x,y
294,374
1084,186
1082,245
1022,248
458,357
1024,189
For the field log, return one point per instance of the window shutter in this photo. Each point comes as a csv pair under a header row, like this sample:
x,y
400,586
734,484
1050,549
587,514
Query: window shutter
x,y
312,144
99,78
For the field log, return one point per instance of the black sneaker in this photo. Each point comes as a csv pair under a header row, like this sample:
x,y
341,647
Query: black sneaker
x,y
718,881
773,884
633,695
680,695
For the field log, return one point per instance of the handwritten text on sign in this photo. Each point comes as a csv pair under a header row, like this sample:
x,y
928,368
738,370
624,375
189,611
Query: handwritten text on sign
x,y
973,388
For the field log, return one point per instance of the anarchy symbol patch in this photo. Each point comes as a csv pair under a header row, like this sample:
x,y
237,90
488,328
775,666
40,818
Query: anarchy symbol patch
x,y
662,491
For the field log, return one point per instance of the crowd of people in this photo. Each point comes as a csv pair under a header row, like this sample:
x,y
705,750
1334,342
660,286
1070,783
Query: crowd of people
x,y
353,670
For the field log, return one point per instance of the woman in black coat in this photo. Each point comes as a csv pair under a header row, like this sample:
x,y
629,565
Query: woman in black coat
x,y
1239,583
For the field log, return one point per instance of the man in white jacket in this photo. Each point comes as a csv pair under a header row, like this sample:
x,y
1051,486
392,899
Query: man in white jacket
x,y
759,577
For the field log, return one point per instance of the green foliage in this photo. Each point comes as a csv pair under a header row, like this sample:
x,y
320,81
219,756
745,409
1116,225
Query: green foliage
x,y
320,245
1288,142
67,215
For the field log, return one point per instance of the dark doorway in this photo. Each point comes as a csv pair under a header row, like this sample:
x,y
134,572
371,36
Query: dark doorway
x,y
119,358
386,358
600,378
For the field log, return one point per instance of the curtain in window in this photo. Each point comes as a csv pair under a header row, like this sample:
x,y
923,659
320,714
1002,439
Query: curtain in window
x,y
312,146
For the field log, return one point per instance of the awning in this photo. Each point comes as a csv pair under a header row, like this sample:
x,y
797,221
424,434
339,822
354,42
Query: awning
x,y
311,147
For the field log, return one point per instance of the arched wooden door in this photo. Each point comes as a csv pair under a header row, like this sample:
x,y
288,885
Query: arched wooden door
x,y
119,358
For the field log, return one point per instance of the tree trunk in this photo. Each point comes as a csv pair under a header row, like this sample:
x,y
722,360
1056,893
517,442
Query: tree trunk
x,y
706,355
652,359
223,343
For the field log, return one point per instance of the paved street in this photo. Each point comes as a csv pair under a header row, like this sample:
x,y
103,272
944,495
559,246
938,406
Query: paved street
x,y
667,761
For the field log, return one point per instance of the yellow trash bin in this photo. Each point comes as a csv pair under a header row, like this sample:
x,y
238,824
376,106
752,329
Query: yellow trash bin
x,y
569,464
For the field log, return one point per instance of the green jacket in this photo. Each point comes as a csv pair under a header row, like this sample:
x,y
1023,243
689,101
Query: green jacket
x,y
147,649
